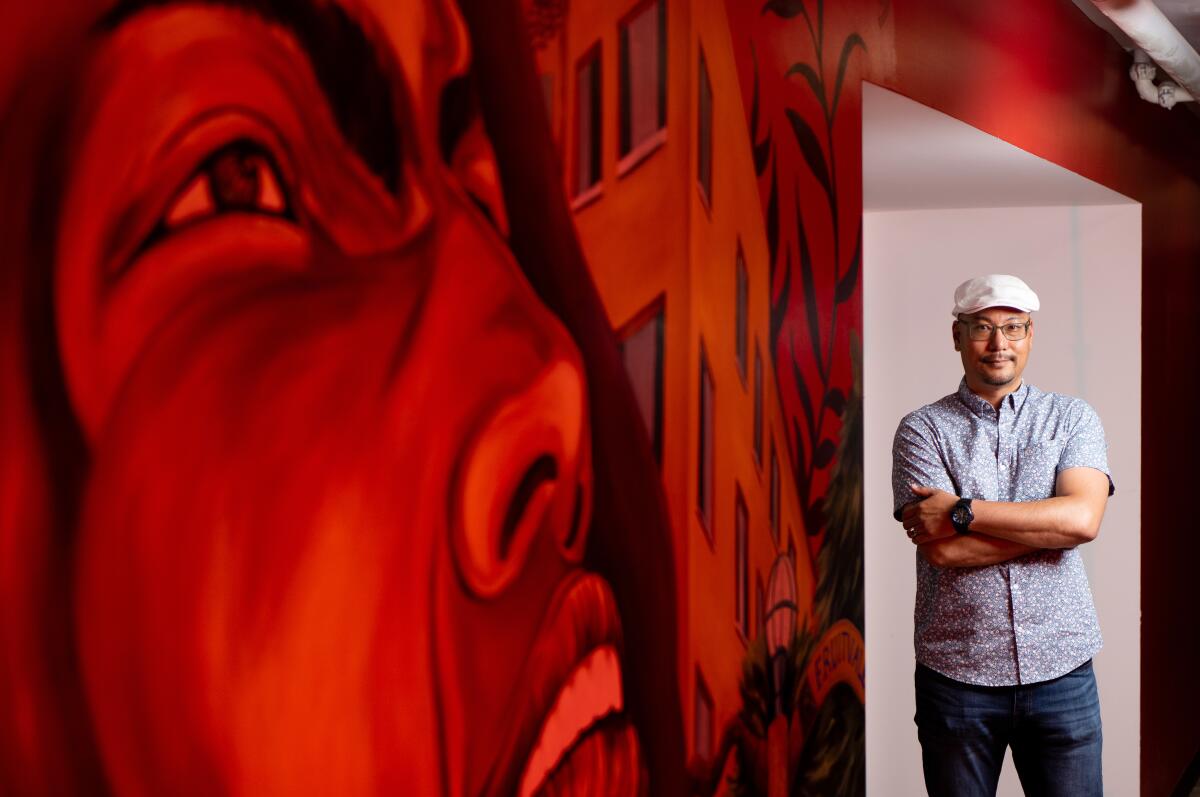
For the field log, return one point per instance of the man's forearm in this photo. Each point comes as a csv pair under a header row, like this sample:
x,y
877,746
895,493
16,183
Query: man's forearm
x,y
1069,518
1060,522
971,550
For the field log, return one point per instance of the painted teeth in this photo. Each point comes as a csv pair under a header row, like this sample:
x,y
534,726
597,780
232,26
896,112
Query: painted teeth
x,y
591,693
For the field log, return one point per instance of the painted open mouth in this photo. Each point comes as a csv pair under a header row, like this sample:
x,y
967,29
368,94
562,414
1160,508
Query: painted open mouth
x,y
586,746
574,737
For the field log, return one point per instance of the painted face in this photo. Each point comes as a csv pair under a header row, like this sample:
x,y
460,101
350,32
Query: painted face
x,y
995,361
340,470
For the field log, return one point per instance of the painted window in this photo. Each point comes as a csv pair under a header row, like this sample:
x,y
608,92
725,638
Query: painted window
x,y
587,121
702,720
704,471
643,74
760,603
741,313
704,146
741,578
642,352
758,405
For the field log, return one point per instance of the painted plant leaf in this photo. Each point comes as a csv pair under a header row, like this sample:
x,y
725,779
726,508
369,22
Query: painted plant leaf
x,y
787,9
805,400
814,82
779,308
802,479
811,149
849,280
810,291
773,225
835,400
824,454
852,41
762,155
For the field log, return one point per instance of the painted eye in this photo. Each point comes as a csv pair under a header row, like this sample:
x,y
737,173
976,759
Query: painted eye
x,y
240,177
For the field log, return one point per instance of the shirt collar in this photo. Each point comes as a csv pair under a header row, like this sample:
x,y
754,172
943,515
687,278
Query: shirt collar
x,y
1014,400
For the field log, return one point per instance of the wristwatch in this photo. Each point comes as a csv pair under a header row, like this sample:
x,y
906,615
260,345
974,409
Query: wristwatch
x,y
961,516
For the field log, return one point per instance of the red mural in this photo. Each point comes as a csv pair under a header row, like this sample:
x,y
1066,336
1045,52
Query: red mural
x,y
299,476
324,472
798,69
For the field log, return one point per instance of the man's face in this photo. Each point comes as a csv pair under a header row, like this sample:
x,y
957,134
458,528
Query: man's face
x,y
340,466
994,361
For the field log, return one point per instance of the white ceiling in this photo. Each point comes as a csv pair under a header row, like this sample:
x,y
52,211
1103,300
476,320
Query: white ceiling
x,y
917,158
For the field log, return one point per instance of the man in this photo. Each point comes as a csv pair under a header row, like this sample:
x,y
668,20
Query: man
x,y
308,485
996,485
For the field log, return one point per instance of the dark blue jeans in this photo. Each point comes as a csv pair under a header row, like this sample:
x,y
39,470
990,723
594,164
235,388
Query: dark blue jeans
x,y
1053,728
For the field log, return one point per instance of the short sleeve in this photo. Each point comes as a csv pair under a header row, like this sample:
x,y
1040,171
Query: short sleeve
x,y
1086,446
916,460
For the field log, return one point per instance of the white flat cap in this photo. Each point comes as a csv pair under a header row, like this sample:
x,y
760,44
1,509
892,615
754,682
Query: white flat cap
x,y
994,290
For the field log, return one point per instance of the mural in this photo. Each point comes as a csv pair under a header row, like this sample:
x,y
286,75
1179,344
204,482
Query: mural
x,y
431,397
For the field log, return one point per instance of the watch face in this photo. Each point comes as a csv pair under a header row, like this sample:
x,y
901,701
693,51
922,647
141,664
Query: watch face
x,y
961,517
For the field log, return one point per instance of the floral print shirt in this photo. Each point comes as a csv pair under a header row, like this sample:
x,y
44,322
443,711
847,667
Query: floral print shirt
x,y
1029,619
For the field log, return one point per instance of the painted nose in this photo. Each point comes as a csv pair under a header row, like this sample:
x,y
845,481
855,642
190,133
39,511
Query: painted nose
x,y
526,474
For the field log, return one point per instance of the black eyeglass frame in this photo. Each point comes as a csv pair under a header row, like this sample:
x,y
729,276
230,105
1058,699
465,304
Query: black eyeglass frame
x,y
970,325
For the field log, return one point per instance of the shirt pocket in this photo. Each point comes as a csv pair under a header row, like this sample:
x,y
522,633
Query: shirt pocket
x,y
1037,468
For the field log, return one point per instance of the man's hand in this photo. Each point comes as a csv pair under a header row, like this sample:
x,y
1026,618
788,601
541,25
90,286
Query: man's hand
x,y
928,519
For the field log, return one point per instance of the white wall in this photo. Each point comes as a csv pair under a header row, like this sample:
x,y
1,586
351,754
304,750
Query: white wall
x,y
1084,263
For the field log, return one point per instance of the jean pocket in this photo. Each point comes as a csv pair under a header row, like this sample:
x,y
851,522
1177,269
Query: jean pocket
x,y
1071,702
946,707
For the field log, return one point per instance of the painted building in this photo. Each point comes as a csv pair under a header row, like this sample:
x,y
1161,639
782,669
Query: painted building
x,y
646,107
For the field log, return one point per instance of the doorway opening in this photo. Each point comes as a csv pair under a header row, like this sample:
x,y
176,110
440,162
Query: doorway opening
x,y
944,202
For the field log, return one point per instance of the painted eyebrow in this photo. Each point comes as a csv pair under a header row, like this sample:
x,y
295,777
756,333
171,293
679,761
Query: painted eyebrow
x,y
357,88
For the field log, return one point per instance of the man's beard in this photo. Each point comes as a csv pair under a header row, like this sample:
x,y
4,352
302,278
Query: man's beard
x,y
997,380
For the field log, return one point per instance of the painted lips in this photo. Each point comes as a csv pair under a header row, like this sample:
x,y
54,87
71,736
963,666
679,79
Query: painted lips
x,y
573,746
573,736
603,763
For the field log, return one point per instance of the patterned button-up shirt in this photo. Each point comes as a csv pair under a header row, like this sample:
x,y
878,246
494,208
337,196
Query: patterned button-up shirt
x,y
1031,618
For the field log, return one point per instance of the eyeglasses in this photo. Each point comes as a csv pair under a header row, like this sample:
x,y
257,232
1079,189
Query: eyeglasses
x,y
1014,330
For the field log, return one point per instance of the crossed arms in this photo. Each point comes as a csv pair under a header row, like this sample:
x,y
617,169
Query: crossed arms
x,y
1002,531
